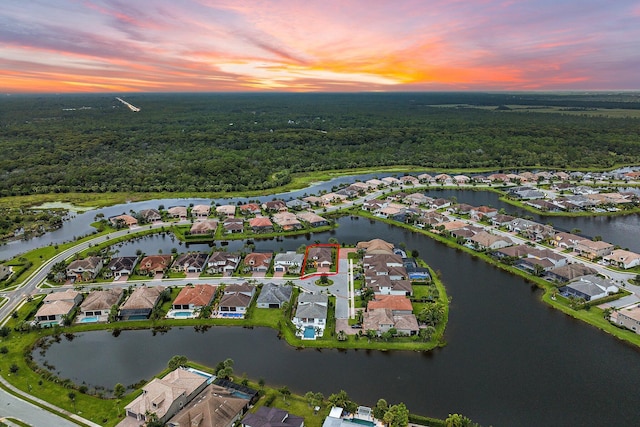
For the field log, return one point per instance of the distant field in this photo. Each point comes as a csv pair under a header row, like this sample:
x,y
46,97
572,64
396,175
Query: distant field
x,y
514,108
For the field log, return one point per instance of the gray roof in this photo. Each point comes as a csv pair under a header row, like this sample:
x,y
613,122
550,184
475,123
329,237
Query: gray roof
x,y
274,294
311,311
289,257
313,298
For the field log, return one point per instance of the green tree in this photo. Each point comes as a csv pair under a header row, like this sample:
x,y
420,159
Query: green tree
x,y
72,397
380,409
458,420
397,416
176,361
284,391
119,390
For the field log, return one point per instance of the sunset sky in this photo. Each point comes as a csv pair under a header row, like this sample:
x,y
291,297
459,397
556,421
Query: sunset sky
x,y
325,45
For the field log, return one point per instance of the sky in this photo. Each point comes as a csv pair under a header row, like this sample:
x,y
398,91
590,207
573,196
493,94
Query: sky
x,y
58,46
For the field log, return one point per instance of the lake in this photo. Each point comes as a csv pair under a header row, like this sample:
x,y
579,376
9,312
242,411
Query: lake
x,y
509,359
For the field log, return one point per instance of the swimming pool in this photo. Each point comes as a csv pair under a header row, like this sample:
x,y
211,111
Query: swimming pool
x,y
182,314
89,319
232,315
309,333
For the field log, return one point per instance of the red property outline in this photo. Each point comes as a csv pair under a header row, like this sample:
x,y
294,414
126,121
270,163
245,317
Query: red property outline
x,y
318,245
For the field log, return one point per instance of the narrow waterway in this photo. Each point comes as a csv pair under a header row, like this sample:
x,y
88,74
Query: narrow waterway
x,y
510,360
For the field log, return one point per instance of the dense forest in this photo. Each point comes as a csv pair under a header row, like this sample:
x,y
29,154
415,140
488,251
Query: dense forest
x,y
235,142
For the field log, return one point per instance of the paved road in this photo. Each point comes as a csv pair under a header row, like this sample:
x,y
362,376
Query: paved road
x,y
12,407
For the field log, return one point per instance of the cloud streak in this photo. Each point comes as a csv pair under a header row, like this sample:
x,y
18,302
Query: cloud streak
x,y
360,45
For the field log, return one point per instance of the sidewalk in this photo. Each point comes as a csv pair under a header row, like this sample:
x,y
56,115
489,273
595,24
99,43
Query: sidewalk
x,y
46,405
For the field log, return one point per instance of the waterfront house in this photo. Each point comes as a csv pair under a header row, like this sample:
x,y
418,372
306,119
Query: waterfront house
x,y
623,259
274,296
311,315
233,225
84,269
589,288
207,226
274,206
201,211
288,262
56,306
226,210
258,261
569,272
191,262
141,303
312,219
485,240
250,209
121,266
154,264
215,406
164,397
179,212
99,303
320,256
271,417
223,262
123,220
194,297
565,240
628,317
236,298
593,249
150,215
261,224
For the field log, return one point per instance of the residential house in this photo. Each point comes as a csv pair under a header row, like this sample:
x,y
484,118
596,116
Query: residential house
x,y
150,215
201,211
592,250
207,226
485,240
462,209
261,224
440,203
99,303
236,298
84,269
274,296
417,199
312,219
191,262
215,406
430,219
531,258
233,225
56,306
375,246
502,220
275,206
461,179
443,178
258,261
531,229
164,397
628,317
311,315
374,183
194,297
121,266
141,303
315,201
298,205
623,259
333,198
526,193
425,178
565,240
589,288
123,220
179,212
373,205
5,272
483,212
320,256
223,263
409,180
250,209
287,221
568,272
391,181
154,264
288,262
226,210
272,417
414,271
383,320
384,285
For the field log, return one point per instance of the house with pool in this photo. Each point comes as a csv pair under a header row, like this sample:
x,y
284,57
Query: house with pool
x,y
310,319
191,300
56,306
97,305
141,303
235,300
